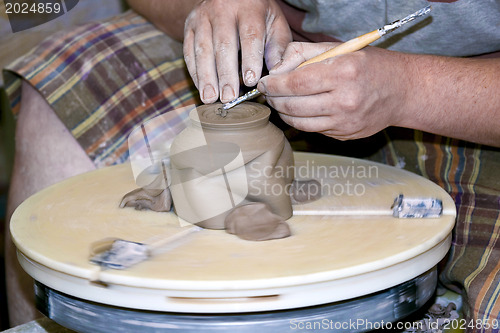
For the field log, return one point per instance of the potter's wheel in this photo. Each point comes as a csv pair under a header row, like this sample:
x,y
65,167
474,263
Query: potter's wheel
x,y
344,246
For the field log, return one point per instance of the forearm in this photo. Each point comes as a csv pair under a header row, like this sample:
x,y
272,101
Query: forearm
x,y
167,15
454,97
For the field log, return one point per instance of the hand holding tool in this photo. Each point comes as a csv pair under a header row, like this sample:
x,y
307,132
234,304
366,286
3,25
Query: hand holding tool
x,y
344,48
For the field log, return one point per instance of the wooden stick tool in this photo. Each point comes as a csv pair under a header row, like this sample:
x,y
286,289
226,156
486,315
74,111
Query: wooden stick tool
x,y
344,48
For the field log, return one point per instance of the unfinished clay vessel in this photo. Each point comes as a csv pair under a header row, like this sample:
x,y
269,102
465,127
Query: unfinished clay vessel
x,y
220,163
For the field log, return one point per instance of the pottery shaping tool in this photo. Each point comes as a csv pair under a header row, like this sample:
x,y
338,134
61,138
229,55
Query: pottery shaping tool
x,y
352,45
402,207
121,254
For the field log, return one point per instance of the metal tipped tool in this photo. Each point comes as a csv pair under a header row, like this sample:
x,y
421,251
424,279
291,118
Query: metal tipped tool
x,y
222,111
396,24
111,253
347,47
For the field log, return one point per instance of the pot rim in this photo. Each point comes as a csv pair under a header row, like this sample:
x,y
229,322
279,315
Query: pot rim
x,y
259,117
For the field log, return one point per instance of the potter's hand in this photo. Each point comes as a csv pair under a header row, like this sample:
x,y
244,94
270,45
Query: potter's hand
x,y
214,32
347,97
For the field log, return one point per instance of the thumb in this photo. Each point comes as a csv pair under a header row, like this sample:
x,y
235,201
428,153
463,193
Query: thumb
x,y
296,53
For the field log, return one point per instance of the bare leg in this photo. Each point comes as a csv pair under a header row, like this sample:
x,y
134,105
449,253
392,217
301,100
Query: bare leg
x,y
46,153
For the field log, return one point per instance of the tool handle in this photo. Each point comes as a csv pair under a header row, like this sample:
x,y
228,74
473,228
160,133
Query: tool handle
x,y
152,245
347,47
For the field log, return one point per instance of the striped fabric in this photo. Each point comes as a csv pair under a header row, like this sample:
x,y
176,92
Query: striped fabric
x,y
104,78
470,174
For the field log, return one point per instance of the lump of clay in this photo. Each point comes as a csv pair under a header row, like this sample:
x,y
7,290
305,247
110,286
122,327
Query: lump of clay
x,y
256,222
151,199
154,195
303,191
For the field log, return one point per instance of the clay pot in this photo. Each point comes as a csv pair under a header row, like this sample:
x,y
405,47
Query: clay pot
x,y
219,163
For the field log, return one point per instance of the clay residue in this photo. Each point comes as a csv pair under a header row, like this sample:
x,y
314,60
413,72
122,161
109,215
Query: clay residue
x,y
158,200
256,222
303,191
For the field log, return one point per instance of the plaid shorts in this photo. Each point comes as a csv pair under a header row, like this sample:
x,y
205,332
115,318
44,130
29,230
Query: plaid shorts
x,y
104,78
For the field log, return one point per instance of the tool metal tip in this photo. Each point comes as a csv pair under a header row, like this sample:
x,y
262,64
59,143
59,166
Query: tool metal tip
x,y
396,24
424,10
249,95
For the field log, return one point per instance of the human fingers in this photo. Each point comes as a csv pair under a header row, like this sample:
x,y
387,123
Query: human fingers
x,y
211,49
278,35
322,104
252,30
306,124
225,47
338,96
189,54
324,112
227,25
264,34
199,56
309,80
298,52
326,125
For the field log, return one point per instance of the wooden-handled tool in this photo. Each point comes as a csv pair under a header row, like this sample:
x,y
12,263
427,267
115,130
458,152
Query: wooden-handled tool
x,y
114,253
344,48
